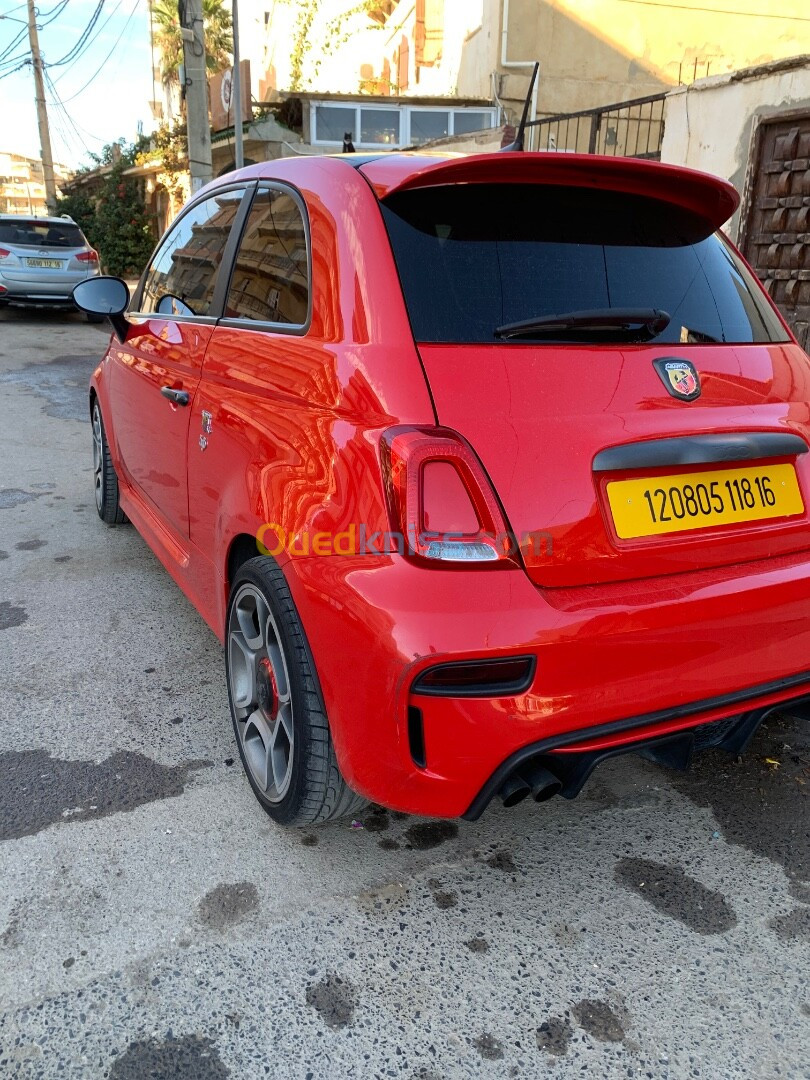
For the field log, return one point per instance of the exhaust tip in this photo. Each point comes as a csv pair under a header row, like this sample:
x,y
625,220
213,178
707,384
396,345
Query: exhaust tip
x,y
543,783
548,792
514,790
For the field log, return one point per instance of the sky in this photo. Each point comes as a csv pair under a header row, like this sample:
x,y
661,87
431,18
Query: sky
x,y
115,98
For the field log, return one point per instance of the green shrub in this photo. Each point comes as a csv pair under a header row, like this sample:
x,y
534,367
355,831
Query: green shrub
x,y
114,219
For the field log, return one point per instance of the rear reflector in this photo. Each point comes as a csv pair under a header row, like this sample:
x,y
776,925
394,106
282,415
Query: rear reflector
x,y
477,678
416,736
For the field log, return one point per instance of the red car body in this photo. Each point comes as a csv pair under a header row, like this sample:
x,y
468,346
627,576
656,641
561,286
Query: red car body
x,y
620,643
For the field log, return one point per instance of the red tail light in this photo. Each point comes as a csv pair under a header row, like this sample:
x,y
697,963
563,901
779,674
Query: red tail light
x,y
4,253
88,256
441,503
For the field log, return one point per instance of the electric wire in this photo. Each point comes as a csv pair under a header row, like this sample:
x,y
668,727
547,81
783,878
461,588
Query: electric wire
x,y
60,107
98,70
85,34
12,44
90,42
13,71
718,11
53,14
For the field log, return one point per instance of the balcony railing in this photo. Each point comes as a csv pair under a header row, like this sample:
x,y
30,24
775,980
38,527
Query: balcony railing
x,y
626,129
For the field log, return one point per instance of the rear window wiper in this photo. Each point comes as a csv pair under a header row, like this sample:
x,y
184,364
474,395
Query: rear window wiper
x,y
632,324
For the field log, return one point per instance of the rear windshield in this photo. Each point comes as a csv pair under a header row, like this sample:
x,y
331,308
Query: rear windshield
x,y
41,234
475,257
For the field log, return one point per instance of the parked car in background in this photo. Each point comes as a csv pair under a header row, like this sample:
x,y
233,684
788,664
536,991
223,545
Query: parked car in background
x,y
42,260
483,469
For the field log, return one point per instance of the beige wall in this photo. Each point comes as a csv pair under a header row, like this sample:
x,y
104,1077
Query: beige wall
x,y
711,124
594,52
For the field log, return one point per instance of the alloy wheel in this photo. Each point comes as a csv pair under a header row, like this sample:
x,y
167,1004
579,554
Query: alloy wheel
x,y
98,457
260,692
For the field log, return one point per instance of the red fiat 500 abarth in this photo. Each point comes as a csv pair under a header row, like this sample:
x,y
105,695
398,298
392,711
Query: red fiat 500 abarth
x,y
522,443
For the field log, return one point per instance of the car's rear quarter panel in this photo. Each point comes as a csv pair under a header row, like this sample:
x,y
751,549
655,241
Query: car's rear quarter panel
x,y
296,419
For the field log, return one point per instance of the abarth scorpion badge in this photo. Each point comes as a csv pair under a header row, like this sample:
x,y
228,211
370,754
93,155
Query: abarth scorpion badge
x,y
679,377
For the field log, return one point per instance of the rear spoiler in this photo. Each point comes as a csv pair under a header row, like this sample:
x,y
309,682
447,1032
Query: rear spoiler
x,y
705,195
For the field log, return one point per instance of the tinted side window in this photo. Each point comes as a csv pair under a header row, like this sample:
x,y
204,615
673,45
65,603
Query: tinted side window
x,y
270,280
186,263
473,257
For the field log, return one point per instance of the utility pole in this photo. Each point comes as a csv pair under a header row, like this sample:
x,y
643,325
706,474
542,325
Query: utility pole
x,y
196,90
42,111
236,91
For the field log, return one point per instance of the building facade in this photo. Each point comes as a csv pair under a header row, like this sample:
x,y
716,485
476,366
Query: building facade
x,y
594,52
591,52
385,48
22,184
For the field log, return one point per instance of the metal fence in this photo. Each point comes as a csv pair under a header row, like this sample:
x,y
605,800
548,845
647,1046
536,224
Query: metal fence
x,y
627,129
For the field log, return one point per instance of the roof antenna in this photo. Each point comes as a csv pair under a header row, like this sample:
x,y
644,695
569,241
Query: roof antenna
x,y
521,131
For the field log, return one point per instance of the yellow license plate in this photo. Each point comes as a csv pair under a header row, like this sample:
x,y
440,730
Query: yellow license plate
x,y
667,504
46,264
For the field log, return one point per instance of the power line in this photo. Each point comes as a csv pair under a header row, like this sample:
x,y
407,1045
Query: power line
x,y
91,41
59,105
107,57
21,56
717,11
63,122
85,34
11,45
58,130
13,71
54,13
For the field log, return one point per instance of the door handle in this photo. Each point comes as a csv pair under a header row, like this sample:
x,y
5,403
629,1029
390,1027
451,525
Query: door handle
x,y
179,397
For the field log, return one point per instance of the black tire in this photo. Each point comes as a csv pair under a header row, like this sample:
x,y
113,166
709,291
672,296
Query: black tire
x,y
315,791
104,475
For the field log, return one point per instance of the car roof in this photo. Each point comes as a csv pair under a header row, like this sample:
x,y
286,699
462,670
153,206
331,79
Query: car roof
x,y
37,218
709,196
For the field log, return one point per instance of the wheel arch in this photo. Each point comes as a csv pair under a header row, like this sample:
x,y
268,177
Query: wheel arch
x,y
241,548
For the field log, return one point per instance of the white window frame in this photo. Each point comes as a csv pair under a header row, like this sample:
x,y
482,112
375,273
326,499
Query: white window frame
x,y
404,120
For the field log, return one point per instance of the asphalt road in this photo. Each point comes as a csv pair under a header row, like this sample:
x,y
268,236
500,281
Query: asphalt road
x,y
154,922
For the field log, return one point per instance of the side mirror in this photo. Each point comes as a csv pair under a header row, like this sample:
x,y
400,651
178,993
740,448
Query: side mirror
x,y
173,305
105,296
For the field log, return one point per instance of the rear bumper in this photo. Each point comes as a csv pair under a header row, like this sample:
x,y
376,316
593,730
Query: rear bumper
x,y
570,765
615,664
19,299
29,291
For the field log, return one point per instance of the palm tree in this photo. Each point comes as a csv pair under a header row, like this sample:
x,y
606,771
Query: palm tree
x,y
218,29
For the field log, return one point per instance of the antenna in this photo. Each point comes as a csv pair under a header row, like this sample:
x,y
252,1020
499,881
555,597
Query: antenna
x,y
521,131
